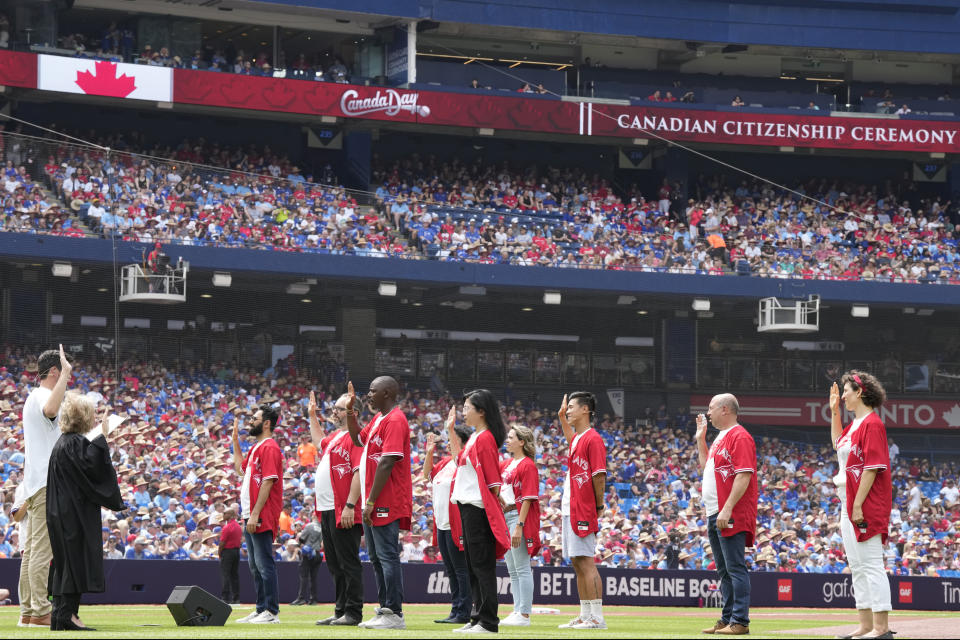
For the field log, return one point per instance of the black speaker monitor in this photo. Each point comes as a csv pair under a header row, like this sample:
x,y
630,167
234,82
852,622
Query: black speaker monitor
x,y
193,607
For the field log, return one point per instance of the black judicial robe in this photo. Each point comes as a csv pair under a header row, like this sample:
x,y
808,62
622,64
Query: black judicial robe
x,y
80,480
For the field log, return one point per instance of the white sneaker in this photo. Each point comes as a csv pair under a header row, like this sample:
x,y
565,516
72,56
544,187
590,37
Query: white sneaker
x,y
570,625
374,620
250,616
515,620
464,628
593,622
478,628
266,618
387,620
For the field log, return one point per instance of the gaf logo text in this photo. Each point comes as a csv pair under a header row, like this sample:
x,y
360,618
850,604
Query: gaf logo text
x,y
906,592
785,590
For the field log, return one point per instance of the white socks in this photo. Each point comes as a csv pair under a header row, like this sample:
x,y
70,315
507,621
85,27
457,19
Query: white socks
x,y
585,609
595,608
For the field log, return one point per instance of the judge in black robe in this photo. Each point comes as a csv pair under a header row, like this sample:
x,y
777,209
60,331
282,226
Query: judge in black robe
x,y
80,480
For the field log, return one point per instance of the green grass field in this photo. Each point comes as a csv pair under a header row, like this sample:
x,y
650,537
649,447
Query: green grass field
x,y
623,622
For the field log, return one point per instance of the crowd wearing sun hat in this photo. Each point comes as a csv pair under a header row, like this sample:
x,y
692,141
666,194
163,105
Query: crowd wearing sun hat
x,y
491,213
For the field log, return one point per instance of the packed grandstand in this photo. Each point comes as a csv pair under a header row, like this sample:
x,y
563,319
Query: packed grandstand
x,y
176,493
199,192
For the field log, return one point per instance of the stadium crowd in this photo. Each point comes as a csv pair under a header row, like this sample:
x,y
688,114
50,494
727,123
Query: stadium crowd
x,y
427,209
173,460
118,41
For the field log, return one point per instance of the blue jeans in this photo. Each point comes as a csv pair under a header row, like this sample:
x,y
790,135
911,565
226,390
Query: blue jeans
x,y
732,569
456,564
264,570
383,547
518,565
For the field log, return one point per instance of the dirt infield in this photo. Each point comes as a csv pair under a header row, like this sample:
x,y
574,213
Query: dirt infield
x,y
905,626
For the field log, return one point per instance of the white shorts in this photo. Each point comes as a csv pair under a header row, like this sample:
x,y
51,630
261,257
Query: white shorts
x,y
575,546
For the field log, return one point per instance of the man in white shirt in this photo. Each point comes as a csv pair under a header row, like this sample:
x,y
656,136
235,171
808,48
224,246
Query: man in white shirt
x,y
41,430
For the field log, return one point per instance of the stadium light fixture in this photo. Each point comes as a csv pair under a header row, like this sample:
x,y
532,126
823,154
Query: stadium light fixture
x,y
62,269
222,279
298,288
472,290
924,312
626,299
551,297
860,311
387,288
701,304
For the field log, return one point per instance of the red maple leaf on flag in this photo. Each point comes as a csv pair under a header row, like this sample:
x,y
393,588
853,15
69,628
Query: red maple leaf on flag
x,y
104,81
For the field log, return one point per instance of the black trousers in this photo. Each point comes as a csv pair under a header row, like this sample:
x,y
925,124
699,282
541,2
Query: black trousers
x,y
480,548
65,606
230,575
341,548
307,570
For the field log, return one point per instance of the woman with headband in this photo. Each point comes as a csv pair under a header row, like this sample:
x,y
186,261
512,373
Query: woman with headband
x,y
866,495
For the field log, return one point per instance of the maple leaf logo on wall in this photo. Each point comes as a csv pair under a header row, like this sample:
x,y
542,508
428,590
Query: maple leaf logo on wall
x,y
952,417
104,81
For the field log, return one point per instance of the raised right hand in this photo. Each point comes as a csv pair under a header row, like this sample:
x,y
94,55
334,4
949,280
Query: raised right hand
x,y
835,398
451,419
236,430
65,366
562,413
351,396
701,426
431,442
312,407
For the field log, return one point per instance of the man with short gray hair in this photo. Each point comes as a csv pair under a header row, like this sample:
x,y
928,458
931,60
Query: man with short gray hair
x,y
729,496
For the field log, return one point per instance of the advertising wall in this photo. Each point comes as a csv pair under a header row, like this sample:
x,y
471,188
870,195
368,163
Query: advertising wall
x,y
476,110
151,581
813,411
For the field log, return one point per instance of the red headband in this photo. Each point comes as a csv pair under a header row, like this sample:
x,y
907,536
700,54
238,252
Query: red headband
x,y
856,379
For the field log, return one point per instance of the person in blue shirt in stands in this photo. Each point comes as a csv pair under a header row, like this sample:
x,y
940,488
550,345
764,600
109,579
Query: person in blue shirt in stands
x,y
138,550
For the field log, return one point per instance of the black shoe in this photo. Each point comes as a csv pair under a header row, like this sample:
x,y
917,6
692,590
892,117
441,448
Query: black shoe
x,y
345,621
69,625
450,620
326,621
298,602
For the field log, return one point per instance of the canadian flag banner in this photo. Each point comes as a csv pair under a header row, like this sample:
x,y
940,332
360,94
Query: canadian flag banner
x,y
105,78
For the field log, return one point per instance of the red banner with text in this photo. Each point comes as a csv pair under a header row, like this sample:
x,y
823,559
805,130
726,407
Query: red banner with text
x,y
811,411
515,113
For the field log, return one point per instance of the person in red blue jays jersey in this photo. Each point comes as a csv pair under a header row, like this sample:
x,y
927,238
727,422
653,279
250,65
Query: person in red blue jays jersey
x,y
386,486
340,531
729,496
261,498
583,504
866,496
476,492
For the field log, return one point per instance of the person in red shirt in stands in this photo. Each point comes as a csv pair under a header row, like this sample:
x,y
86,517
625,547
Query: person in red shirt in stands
x,y
229,552
261,498
386,484
583,503
730,500
866,496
